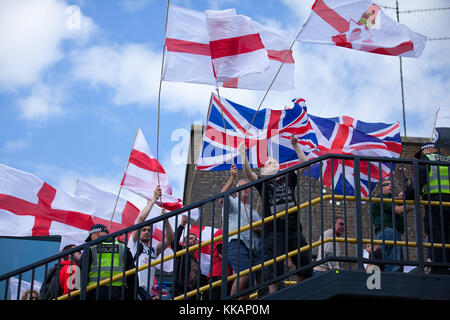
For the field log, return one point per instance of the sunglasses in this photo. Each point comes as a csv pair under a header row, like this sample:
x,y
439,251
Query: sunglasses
x,y
386,184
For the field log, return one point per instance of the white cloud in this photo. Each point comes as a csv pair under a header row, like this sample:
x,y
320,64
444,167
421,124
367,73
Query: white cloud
x,y
43,103
31,33
134,5
15,145
131,71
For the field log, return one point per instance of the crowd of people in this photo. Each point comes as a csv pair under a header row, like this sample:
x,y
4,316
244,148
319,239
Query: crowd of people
x,y
256,245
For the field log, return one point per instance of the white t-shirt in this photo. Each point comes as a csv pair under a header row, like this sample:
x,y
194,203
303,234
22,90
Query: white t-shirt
x,y
144,258
328,249
244,220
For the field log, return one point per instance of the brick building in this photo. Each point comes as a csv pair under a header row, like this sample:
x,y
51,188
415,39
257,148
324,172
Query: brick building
x,y
200,185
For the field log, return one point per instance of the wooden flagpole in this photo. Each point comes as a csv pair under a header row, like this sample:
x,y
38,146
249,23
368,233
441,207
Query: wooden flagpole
x,y
120,189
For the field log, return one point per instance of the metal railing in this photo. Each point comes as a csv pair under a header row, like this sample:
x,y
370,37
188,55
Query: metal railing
x,y
316,209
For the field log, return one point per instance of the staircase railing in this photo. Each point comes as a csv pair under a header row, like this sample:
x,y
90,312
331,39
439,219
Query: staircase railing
x,y
317,211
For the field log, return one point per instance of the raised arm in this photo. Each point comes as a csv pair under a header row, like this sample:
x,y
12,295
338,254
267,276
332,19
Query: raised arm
x,y
249,174
144,213
229,184
168,239
300,154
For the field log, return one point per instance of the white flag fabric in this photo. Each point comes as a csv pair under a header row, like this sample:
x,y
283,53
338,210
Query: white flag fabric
x,y
188,56
24,286
31,207
236,49
103,202
360,25
441,131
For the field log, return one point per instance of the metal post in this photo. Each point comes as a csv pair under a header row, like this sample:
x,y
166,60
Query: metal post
x,y
225,230
358,218
401,78
85,270
418,216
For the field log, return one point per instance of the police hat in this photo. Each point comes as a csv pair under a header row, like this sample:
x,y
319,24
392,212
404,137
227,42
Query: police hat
x,y
96,228
426,146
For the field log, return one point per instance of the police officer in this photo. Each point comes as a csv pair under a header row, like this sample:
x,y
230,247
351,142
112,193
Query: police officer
x,y
106,257
434,186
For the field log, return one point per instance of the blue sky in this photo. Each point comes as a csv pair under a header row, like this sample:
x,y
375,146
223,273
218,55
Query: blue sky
x,y
73,92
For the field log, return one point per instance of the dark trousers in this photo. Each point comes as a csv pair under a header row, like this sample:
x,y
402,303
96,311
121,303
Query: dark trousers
x,y
275,245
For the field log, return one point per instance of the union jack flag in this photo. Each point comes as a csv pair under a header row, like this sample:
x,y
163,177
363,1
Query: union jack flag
x,y
266,134
345,135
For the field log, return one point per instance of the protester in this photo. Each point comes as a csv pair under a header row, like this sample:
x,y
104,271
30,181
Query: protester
x,y
142,250
216,273
61,276
69,270
244,251
329,247
107,259
278,194
433,185
186,269
389,223
26,295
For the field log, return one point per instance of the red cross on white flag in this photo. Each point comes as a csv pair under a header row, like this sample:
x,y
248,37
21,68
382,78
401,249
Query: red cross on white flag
x,y
360,25
31,207
249,57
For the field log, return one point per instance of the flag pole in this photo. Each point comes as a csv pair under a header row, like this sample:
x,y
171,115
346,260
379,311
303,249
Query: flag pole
x,y
193,150
159,91
274,78
401,76
159,98
223,118
120,189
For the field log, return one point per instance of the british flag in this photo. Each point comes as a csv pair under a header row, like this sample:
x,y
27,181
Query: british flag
x,y
266,134
345,135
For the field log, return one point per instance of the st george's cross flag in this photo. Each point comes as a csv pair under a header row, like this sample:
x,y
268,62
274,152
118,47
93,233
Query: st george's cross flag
x,y
31,207
236,48
145,173
266,134
103,202
360,25
189,53
345,135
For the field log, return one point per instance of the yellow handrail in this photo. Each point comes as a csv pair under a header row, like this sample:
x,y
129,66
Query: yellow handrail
x,y
302,249
245,228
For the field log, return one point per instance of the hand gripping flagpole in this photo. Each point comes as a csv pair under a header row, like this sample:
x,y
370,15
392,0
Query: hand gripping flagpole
x,y
120,189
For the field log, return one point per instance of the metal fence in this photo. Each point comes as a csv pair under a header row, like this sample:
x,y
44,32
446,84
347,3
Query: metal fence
x,y
277,231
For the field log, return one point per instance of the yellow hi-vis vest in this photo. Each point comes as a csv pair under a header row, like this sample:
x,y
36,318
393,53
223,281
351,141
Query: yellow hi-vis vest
x,y
107,257
438,181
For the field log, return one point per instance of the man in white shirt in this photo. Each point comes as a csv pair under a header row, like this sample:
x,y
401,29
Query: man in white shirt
x,y
328,248
142,252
